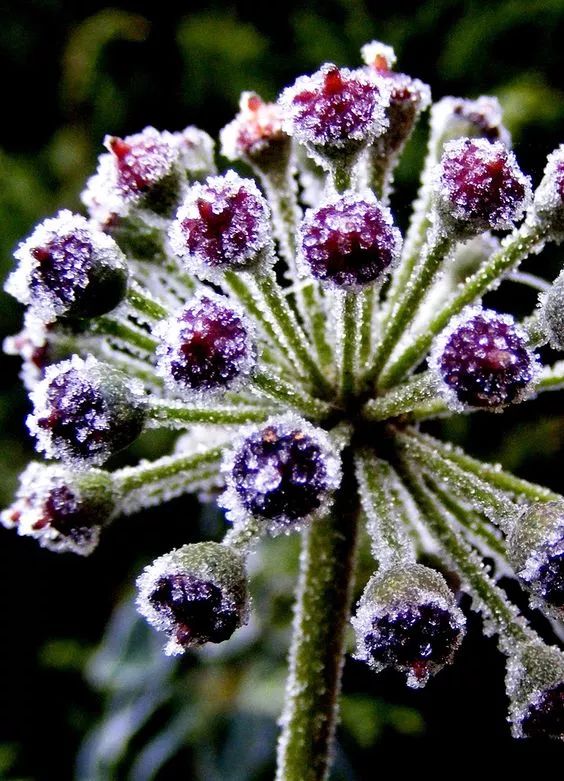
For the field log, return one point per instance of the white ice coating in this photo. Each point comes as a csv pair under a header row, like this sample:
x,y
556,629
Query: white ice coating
x,y
32,337
197,151
453,117
551,313
169,351
65,224
218,191
548,206
376,51
28,514
252,129
101,196
461,320
238,514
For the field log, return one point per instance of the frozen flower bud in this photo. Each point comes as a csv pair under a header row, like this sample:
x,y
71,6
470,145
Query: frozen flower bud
x,y
281,474
207,348
407,619
535,549
408,98
197,594
551,313
535,685
223,225
483,360
85,410
196,152
335,112
479,187
62,510
549,196
458,118
349,241
255,135
68,268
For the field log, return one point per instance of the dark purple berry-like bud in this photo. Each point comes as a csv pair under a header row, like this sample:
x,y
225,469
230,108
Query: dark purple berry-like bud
x,y
85,410
479,187
196,594
281,474
255,135
69,268
535,548
535,685
222,225
349,241
408,620
335,111
207,348
64,511
549,196
483,360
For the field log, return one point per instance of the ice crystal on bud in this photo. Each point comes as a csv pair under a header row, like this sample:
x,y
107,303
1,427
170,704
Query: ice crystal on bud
x,y
207,347
222,225
281,474
349,241
298,356
483,360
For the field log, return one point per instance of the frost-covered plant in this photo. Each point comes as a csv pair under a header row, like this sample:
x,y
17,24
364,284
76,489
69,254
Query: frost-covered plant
x,y
283,324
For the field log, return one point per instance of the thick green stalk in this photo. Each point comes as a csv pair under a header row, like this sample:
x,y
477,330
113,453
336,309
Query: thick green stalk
x,y
318,644
163,413
278,390
349,325
132,478
144,304
529,238
402,399
127,334
367,297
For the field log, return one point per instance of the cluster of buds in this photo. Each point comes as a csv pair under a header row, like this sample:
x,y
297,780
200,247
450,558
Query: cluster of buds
x,y
288,344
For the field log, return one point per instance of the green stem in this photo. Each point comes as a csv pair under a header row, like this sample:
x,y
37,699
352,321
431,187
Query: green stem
x,y
138,477
494,602
368,299
349,325
406,308
341,176
162,413
402,399
313,304
124,333
318,644
529,238
278,390
145,305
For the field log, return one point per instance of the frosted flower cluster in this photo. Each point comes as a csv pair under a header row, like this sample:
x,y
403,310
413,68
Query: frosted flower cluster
x,y
278,320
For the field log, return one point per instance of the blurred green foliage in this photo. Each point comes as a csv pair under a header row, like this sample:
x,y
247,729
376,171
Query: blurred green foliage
x,y
79,71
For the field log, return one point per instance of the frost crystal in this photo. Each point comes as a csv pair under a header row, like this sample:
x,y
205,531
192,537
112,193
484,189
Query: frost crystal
x,y
254,131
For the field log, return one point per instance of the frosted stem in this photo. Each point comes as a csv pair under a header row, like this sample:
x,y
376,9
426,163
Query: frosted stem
x,y
529,238
144,304
274,388
138,477
349,325
124,333
494,603
406,308
317,323
402,399
318,643
163,413
368,300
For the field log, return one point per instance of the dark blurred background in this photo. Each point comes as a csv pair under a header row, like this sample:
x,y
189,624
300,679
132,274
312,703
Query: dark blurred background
x,y
71,685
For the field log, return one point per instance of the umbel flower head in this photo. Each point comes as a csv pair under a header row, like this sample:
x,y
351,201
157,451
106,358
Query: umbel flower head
x,y
299,354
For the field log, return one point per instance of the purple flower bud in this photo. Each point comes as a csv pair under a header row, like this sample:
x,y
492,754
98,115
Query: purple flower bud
x,y
479,187
85,410
349,241
255,135
68,268
535,549
282,474
483,360
62,510
408,620
207,348
196,594
535,685
335,110
457,118
549,196
196,152
222,225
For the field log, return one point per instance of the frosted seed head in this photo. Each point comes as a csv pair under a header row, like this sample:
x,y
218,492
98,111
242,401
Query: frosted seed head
x,y
335,111
407,619
85,410
482,360
197,594
551,313
223,225
67,267
457,118
62,510
196,150
548,205
535,548
349,241
207,348
535,686
255,135
479,187
282,474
